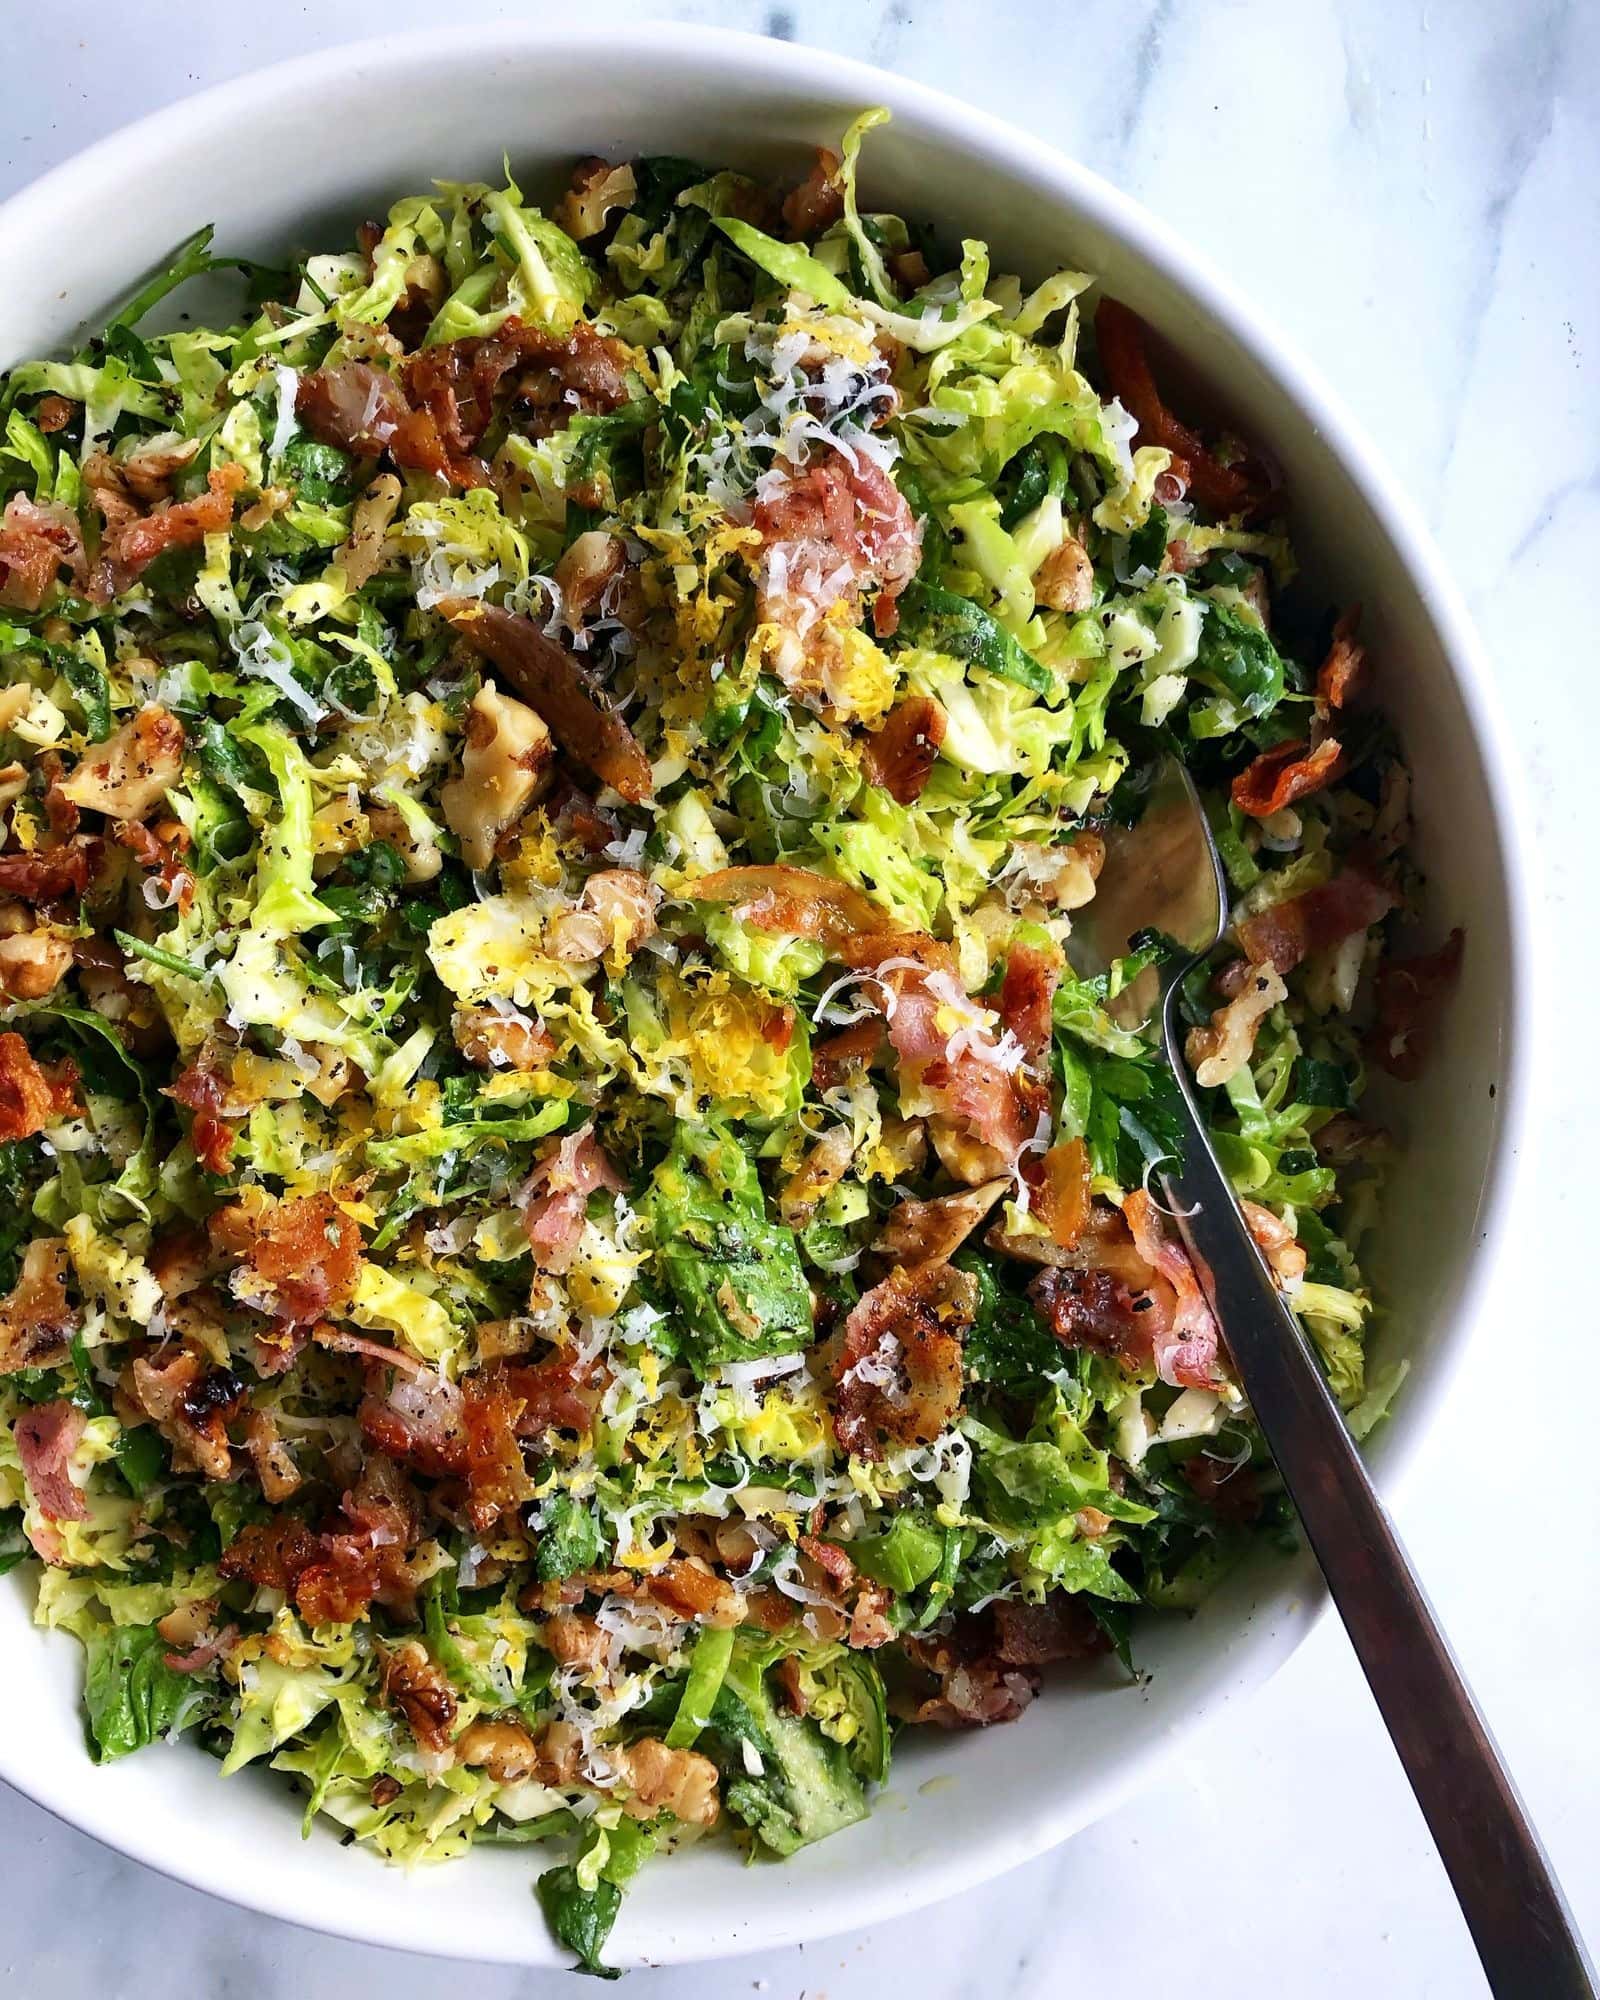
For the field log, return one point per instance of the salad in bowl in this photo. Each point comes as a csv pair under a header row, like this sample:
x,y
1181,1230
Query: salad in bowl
x,y
578,1254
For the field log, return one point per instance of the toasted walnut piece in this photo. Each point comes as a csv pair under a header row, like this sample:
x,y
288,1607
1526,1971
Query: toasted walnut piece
x,y
584,571
680,1782
823,1167
504,1749
1064,581
33,963
128,775
573,1640
503,768
597,188
362,556
421,856
1277,1242
489,1040
1221,1050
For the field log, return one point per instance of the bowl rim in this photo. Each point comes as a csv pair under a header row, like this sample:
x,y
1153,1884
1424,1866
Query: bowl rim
x,y
947,121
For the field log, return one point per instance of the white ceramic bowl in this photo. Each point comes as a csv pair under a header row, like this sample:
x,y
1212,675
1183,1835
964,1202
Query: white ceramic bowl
x,y
294,157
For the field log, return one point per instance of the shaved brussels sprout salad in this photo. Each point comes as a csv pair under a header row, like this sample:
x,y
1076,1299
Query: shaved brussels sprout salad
x,y
576,1254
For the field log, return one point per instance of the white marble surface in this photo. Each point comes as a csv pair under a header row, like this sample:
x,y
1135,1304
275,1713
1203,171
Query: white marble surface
x,y
1412,193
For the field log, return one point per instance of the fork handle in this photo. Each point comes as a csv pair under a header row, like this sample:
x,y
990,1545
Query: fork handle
x,y
1503,1881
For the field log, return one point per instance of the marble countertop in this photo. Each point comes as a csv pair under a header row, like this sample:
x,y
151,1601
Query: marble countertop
x,y
1412,193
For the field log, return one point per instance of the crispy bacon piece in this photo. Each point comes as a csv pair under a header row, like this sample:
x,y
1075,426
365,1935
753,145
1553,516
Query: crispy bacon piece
x,y
340,1340
1287,772
972,1685
1060,1196
931,1232
1290,931
1342,677
1038,1635
53,875
470,1431
835,1060
1411,996
1232,1492
203,1654
1120,335
36,1318
982,1112
129,546
818,202
203,1090
545,674
160,851
360,409
334,1576
36,544
301,1259
46,1437
830,532
559,1393
1093,1309
900,757
898,1371
1186,1340
1031,977
32,1096
497,1480
780,897
558,376
556,1193
689,1588
53,413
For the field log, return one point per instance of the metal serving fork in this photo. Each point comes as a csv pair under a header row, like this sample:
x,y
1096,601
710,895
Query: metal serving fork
x,y
1163,874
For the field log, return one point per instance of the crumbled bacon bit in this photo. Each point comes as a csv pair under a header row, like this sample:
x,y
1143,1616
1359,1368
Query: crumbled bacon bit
x,y
1032,974
836,1059
130,545
32,1095
36,544
191,1404
1285,933
46,1437
1232,1492
1120,335
556,1194
972,1685
1342,678
50,875
1411,996
457,383
545,674
203,1090
301,1260
1287,772
899,1369
818,202
53,413
1185,1338
900,757
36,1318
1038,1635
